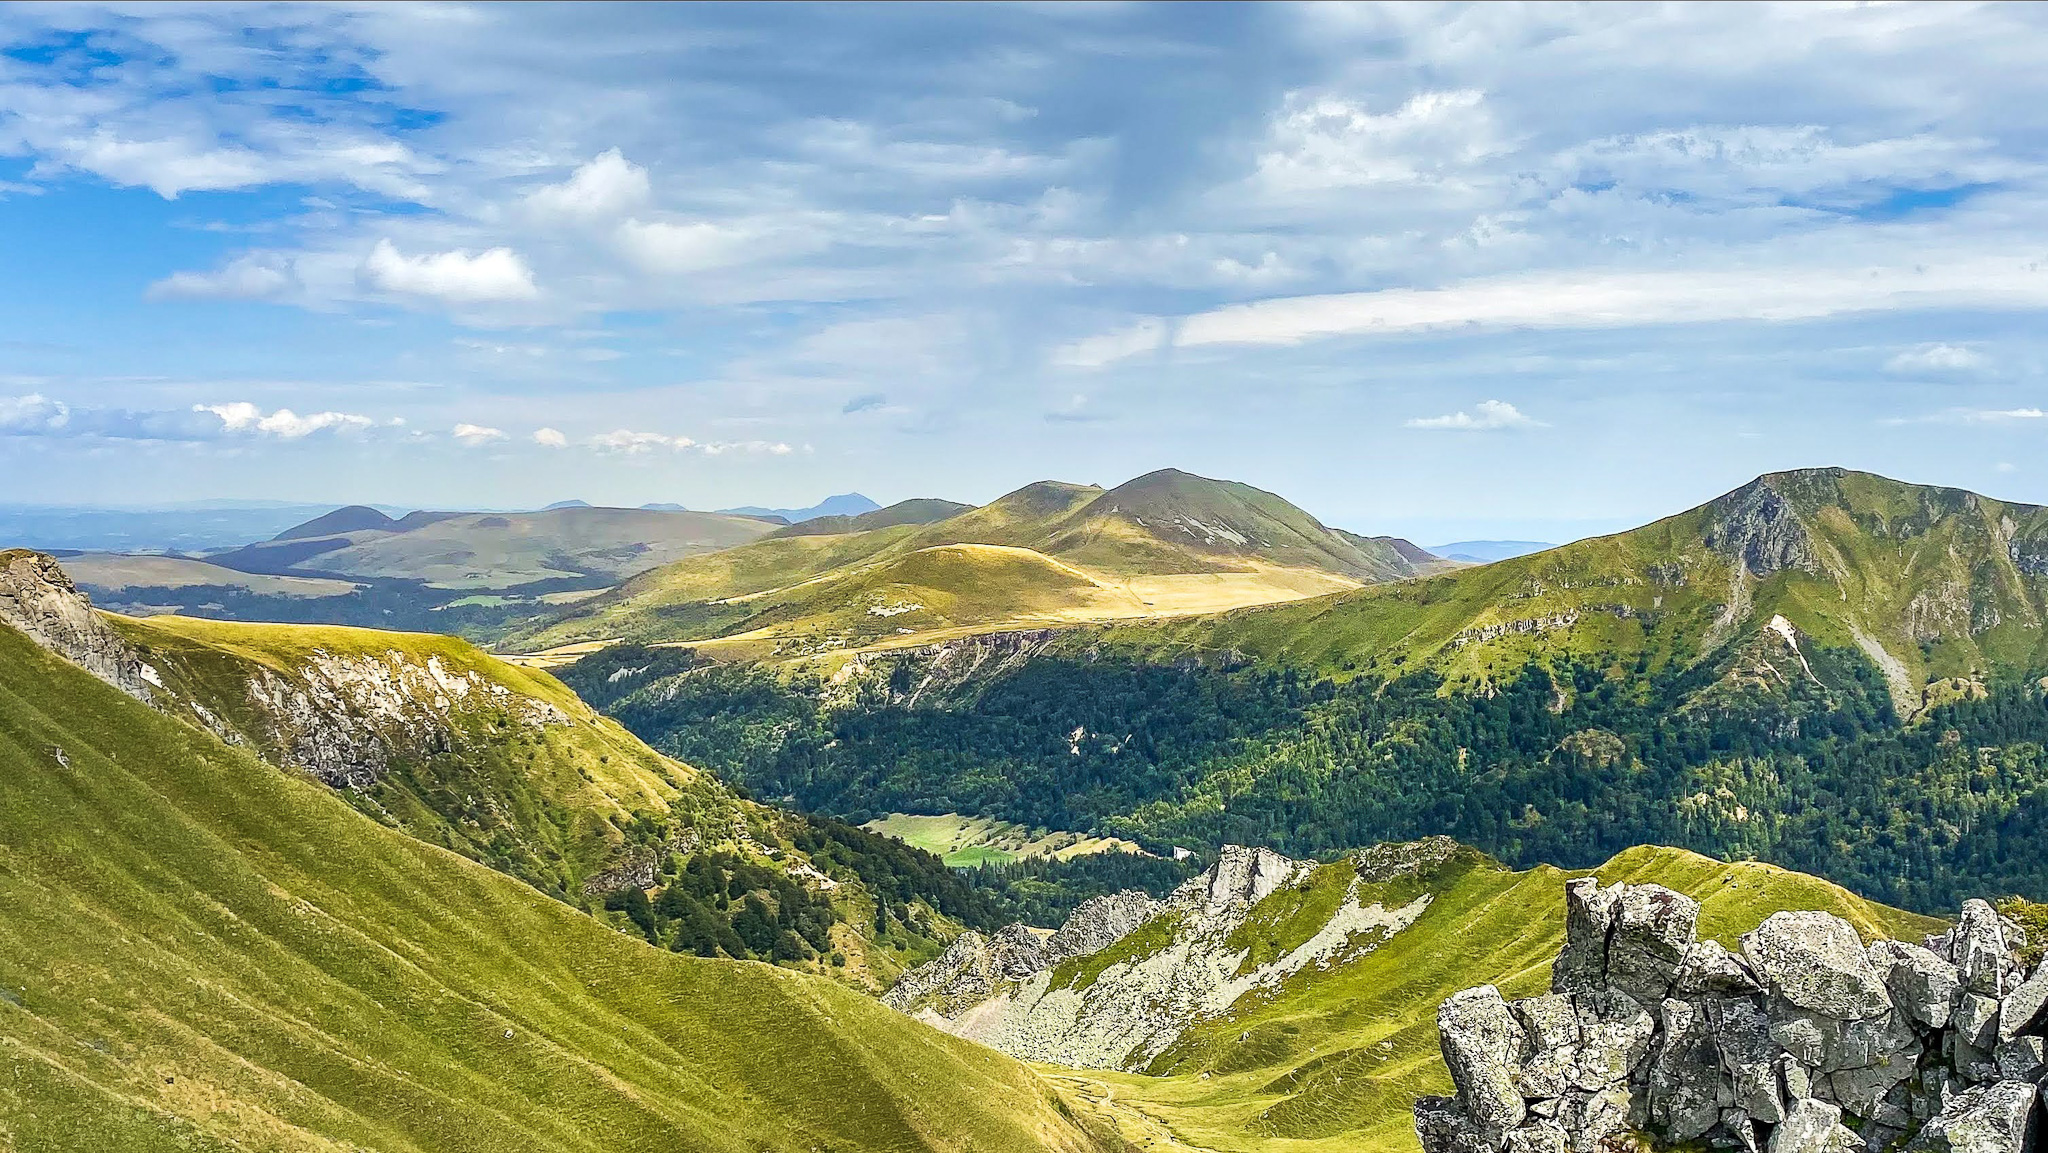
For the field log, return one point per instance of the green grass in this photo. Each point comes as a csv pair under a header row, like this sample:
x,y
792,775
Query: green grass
x,y
201,952
1334,1059
1893,565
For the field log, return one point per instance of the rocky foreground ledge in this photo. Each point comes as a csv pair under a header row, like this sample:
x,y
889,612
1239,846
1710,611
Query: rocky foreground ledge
x,y
1806,1041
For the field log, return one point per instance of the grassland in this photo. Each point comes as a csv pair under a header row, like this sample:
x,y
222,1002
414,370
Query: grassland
x,y
1048,555
1334,1059
966,841
202,953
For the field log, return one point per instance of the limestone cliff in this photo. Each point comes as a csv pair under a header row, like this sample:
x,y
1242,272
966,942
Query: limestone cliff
x,y
1127,976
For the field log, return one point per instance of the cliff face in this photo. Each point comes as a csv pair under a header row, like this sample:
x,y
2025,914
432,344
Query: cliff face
x,y
38,598
1126,976
1804,1041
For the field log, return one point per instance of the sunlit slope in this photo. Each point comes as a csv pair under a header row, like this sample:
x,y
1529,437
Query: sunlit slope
x,y
502,764
1926,582
200,952
1165,544
1334,1058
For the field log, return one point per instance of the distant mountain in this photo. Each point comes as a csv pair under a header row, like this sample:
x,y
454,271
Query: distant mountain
x,y
350,518
918,510
1487,551
1050,553
845,504
663,506
196,527
566,504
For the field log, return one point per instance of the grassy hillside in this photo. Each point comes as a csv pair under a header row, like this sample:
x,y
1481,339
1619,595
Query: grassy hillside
x,y
492,550
504,765
1334,1059
1929,584
117,573
1165,544
202,953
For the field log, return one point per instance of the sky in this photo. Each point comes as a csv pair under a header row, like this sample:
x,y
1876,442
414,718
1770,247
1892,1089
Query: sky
x,y
1442,271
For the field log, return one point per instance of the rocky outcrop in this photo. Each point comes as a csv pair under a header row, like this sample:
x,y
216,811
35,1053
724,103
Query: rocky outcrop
x,y
1756,528
1806,1041
345,717
38,598
1126,976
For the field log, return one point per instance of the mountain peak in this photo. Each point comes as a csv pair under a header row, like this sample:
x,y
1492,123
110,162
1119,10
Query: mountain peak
x,y
349,518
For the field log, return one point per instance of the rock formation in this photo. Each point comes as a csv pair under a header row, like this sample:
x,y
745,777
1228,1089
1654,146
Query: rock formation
x,y
1127,976
38,598
1806,1041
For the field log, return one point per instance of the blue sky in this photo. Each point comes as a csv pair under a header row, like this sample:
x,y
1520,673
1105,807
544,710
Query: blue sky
x,y
1444,271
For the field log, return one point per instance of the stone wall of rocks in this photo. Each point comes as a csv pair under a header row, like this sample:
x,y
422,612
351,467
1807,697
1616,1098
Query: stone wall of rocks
x,y
1805,1041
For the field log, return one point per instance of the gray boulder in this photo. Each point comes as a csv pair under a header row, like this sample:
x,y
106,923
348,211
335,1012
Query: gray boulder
x,y
2020,1059
1443,1126
1581,966
1710,970
1975,1019
1483,1045
1815,961
1750,1058
1652,928
1813,1126
1541,1137
1552,1026
2021,1009
1923,986
1614,1037
1994,1118
1977,948
1685,1073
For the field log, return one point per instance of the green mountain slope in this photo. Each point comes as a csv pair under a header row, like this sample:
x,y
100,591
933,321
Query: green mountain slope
x,y
920,510
202,953
1927,583
1330,979
1165,544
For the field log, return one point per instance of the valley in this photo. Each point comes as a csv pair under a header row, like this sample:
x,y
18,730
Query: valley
x,y
1198,822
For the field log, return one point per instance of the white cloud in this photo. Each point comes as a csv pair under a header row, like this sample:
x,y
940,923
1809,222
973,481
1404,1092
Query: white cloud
x,y
249,277
1327,141
474,435
632,443
663,247
241,416
1147,335
2003,415
629,443
607,187
550,438
1935,359
32,414
1485,416
1612,298
497,274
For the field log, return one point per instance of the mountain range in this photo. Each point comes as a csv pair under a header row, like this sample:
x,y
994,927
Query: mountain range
x,y
385,890
1050,553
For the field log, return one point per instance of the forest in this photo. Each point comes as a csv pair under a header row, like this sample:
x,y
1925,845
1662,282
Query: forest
x,y
1562,765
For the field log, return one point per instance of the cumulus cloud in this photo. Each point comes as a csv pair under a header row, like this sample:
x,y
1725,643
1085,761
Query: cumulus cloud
x,y
608,187
494,275
1936,359
664,247
627,442
32,415
255,276
474,435
550,438
1485,416
243,417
